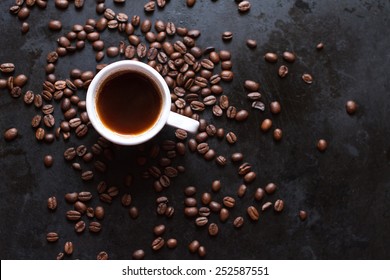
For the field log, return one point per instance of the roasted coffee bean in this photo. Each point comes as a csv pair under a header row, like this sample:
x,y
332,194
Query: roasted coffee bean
x,y
221,160
224,102
113,191
302,215
138,254
279,205
322,145
20,80
206,198
192,144
253,213
270,188
73,215
71,113
244,6
266,205
38,101
95,227
190,202
229,201
10,134
40,134
68,248
102,256
351,107
71,197
277,134
194,246
48,160
251,86
76,166
241,190
201,137
49,120
283,71
217,111
159,230
16,92
236,157
161,208
201,221
209,100
231,112
215,206
79,226
126,199
80,206
52,237
190,212
216,185
289,56
227,75
87,175
307,78
213,229
249,177
238,222
244,168
259,194
209,155
271,57
7,67
204,211
203,148
70,153
171,243
251,43
275,107
52,203
266,125
231,138
99,212
320,46
227,35
87,157
220,133
241,115
190,191
158,243
133,212
81,130
149,7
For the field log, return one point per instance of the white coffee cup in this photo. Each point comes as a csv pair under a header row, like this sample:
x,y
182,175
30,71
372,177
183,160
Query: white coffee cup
x,y
166,116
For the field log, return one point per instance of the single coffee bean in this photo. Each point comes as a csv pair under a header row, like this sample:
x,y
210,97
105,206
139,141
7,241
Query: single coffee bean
x,y
73,215
158,243
190,202
70,153
213,229
307,78
242,115
161,208
271,57
283,71
201,221
266,125
171,243
241,190
194,246
20,80
224,102
270,188
224,215
275,107
16,92
95,227
79,226
249,177
149,7
244,168
266,205
80,206
279,205
40,134
221,160
55,25
320,46
138,254
49,120
231,138
227,75
126,199
251,43
251,86
322,145
48,160
227,35
289,56
236,157
217,111
351,107
159,230
190,191
277,134
52,203
216,185
7,67
259,194
99,212
71,197
190,212
302,215
60,255
113,191
52,237
229,201
253,213
10,134
87,175
102,255
244,6
204,211
215,206
206,198
203,148
169,212
238,222
133,212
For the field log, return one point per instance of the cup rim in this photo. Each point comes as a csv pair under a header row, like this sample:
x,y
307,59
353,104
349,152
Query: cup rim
x,y
123,139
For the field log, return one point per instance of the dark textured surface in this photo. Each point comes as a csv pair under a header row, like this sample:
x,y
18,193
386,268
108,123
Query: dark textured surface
x,y
344,190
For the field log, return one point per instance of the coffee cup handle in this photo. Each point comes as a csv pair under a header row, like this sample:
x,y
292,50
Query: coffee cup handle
x,y
183,122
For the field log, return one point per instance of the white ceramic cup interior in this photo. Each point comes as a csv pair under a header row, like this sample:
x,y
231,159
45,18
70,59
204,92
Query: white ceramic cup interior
x,y
166,116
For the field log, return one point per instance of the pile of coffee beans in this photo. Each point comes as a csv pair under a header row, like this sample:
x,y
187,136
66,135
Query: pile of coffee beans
x,y
194,75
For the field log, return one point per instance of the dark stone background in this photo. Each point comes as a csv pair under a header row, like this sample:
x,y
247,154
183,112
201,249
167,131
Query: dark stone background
x,y
345,190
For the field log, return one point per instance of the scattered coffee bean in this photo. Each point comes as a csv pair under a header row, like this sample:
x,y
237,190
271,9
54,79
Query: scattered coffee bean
x,y
159,230
260,193
138,254
194,246
158,243
307,78
271,57
266,205
102,255
251,86
275,107
351,107
266,125
277,134
270,188
229,201
213,229
68,248
279,205
73,215
202,251
241,190
320,46
302,215
244,6
52,237
289,56
251,43
79,227
238,222
133,212
201,221
71,197
322,145
171,243
253,213
52,203
95,227
231,138
48,160
283,71
10,134
249,177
